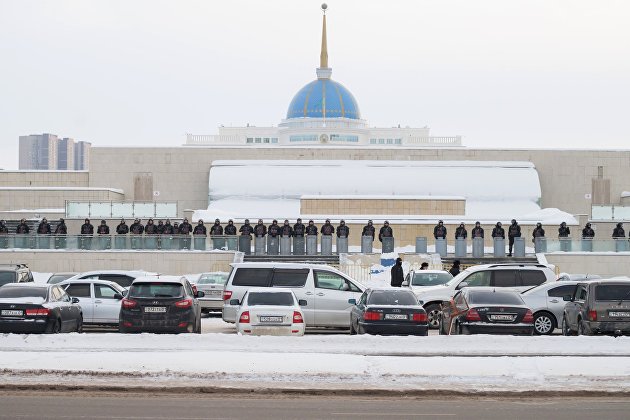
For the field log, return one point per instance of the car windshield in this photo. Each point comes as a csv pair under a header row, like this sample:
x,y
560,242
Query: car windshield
x,y
212,279
455,280
153,290
493,298
430,279
612,292
7,277
392,297
273,299
56,278
22,292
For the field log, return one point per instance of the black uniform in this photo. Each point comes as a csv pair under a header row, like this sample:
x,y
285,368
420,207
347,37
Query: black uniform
x,y
160,228
274,229
200,229
588,232
618,232
439,231
461,232
299,229
455,269
3,228
216,229
397,274
498,231
102,229
286,230
185,228
22,228
477,231
61,228
246,229
514,231
151,228
343,231
87,228
564,231
230,229
122,228
327,229
260,230
311,229
136,228
385,232
538,232
368,230
43,228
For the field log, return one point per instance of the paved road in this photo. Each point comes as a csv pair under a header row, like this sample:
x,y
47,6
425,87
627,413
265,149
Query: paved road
x,y
80,405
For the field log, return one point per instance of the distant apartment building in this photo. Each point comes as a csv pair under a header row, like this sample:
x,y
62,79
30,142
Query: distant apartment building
x,y
49,152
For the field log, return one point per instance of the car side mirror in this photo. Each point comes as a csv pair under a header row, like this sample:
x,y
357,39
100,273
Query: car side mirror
x,y
302,302
75,300
235,302
405,283
352,301
199,294
461,285
118,296
124,292
567,298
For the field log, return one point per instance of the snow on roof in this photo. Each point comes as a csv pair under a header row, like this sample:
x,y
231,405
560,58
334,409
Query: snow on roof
x,y
625,194
382,197
116,190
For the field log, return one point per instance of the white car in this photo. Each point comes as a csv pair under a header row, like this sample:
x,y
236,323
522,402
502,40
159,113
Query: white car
x,y
99,299
417,280
269,311
123,277
211,284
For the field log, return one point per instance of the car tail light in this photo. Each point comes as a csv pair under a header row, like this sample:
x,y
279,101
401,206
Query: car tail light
x,y
419,317
227,294
244,319
182,324
592,315
529,317
372,316
472,315
183,304
128,303
127,324
37,312
297,318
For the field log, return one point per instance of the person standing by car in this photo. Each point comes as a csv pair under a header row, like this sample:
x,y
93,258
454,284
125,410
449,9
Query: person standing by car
x,y
44,227
299,229
150,228
538,232
230,229
369,230
424,266
477,231
122,228
260,230
343,231
439,231
102,229
311,229
286,231
498,231
274,229
563,230
397,275
618,232
455,269
588,232
200,229
22,228
461,231
514,231
327,229
246,229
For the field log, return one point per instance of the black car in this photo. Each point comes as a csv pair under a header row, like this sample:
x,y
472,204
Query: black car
x,y
15,273
30,308
161,304
388,312
486,310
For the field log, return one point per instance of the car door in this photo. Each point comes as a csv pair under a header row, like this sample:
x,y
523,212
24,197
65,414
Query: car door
x,y
106,306
83,292
573,308
297,279
459,308
332,292
555,299
72,311
67,320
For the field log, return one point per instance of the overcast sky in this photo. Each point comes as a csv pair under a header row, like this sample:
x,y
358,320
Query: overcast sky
x,y
501,73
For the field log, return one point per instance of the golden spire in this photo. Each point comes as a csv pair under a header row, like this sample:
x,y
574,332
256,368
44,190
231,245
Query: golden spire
x,y
323,57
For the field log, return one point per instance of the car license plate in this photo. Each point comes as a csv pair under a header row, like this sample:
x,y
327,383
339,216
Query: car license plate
x,y
9,312
271,319
615,314
155,309
215,292
395,316
501,317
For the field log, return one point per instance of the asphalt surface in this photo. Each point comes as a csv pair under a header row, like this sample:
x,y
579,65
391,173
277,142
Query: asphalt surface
x,y
79,405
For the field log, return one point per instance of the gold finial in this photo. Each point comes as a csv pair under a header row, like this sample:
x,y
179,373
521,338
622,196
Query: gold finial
x,y
323,57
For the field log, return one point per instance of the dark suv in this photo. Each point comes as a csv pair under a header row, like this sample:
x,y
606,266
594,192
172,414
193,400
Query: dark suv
x,y
598,307
15,273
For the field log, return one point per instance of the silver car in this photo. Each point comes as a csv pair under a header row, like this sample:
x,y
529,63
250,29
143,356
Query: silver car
x,y
547,304
212,284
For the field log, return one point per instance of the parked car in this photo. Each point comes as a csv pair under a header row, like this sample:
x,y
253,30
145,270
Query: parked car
x,y
388,312
160,304
212,285
598,307
513,276
486,310
59,277
577,277
31,308
269,311
325,289
15,273
417,280
123,277
99,299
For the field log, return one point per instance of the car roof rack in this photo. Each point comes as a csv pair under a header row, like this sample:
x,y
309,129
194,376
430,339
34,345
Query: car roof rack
x,y
523,264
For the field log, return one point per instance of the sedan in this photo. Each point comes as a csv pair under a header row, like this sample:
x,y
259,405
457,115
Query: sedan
x,y
388,311
29,308
99,299
547,304
212,285
268,311
485,310
59,277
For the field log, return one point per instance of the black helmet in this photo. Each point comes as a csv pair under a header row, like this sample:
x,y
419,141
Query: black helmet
x,y
102,222
386,222
477,223
217,221
513,221
619,225
440,222
498,224
246,220
327,220
286,221
310,221
230,221
539,224
588,225
343,222
275,221
299,220
563,224
369,222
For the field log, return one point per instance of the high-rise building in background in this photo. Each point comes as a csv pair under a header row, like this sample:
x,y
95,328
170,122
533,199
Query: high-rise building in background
x,y
49,152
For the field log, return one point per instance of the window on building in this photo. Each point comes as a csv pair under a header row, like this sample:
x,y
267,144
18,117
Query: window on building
x,y
303,137
390,141
381,141
274,139
372,141
344,138
250,139
258,140
398,141
266,140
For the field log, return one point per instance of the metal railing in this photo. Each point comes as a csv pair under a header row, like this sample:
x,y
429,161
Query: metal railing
x,y
120,209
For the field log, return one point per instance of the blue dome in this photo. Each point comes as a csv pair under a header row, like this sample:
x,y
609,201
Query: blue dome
x,y
324,98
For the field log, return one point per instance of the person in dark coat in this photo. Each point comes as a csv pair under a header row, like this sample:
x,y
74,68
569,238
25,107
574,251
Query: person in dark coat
x,y
327,229
343,231
44,227
424,266
538,232
439,231
150,228
4,230
260,230
230,229
216,229
477,231
274,229
286,231
22,228
103,229
87,228
168,228
311,229
498,231
385,231
588,232
397,274
461,231
246,229
563,230
122,228
299,229
618,232
200,229
176,228
136,227
369,230
160,227
185,228
455,269
514,231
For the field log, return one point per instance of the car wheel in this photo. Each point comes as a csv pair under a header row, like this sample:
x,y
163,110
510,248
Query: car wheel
x,y
434,312
80,325
543,323
55,327
566,331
